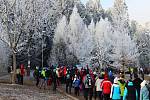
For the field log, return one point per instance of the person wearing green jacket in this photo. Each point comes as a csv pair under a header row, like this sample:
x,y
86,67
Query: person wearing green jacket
x,y
122,85
43,80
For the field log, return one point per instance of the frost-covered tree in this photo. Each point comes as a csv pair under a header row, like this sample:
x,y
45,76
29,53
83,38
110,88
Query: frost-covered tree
x,y
79,37
58,53
94,10
125,49
120,16
103,35
13,27
142,38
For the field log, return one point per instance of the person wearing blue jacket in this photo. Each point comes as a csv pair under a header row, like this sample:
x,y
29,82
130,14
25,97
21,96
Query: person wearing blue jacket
x,y
144,93
130,92
76,83
115,90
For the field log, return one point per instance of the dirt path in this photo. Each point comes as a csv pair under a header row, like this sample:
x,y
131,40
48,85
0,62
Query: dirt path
x,y
18,92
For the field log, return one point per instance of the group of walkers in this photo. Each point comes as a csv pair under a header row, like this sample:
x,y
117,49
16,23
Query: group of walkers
x,y
101,85
20,73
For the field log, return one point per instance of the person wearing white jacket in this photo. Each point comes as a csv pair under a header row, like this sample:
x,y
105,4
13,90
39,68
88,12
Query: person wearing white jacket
x,y
98,88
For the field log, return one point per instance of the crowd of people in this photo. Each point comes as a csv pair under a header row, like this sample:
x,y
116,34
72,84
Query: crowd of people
x,y
93,84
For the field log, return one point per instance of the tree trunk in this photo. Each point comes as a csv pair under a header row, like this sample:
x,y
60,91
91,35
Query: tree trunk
x,y
14,68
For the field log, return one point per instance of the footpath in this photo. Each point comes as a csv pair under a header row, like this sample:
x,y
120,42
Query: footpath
x,y
30,82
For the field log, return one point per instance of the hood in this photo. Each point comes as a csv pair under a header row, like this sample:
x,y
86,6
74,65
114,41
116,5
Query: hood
x,y
143,84
130,83
116,80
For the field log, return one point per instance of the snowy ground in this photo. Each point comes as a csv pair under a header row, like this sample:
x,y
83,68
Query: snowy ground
x,y
17,92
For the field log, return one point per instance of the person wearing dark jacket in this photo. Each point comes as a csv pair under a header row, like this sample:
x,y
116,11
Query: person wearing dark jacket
x,y
137,81
88,87
54,78
37,75
68,81
130,92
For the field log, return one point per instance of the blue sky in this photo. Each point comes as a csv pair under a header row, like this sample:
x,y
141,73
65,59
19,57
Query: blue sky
x,y
138,9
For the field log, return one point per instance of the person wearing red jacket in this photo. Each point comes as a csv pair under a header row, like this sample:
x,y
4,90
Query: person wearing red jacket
x,y
106,87
22,73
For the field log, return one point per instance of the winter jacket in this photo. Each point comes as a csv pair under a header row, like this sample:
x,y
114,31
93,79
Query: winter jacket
x,y
106,86
97,84
137,83
43,73
144,93
130,92
22,70
115,92
122,87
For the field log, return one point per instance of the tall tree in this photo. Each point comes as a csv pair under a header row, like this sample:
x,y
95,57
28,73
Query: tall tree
x,y
79,36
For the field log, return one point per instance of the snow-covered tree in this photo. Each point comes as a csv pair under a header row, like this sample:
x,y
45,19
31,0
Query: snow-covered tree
x,y
124,47
13,27
103,35
58,53
142,38
120,16
79,37
94,10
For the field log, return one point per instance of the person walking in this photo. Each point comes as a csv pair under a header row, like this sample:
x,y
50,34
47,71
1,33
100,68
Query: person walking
x,y
98,88
18,74
36,75
68,81
115,90
145,90
22,73
54,78
130,92
122,85
76,83
88,87
137,81
43,78
106,87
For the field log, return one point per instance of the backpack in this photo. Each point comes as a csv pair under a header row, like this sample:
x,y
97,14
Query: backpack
x,y
148,87
77,83
89,81
131,95
68,76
